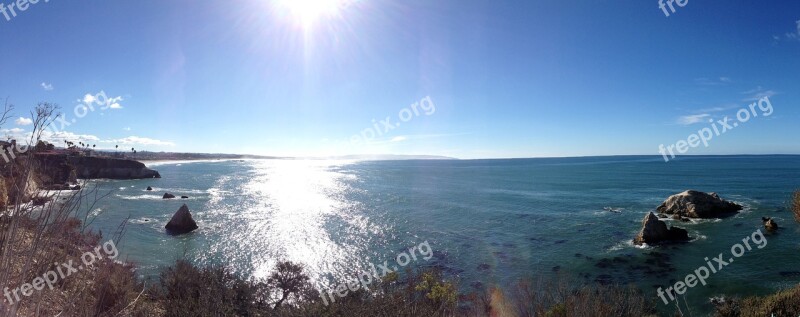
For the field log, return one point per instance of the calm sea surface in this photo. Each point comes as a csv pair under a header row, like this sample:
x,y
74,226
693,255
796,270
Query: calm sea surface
x,y
489,222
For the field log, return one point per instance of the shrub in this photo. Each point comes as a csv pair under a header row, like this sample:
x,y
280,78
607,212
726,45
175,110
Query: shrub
x,y
782,303
796,205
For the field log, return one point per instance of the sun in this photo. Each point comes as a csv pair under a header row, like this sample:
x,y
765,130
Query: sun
x,y
308,12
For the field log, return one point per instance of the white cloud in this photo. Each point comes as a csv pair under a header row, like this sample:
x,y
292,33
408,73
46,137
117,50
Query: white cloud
x,y
89,98
113,103
399,139
47,86
59,137
12,132
126,128
135,140
23,121
692,119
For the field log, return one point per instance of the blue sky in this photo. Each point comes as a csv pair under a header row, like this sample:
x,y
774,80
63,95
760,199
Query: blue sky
x,y
506,79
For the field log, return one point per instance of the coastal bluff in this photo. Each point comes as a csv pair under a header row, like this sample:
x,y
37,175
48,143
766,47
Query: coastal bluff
x,y
61,169
110,168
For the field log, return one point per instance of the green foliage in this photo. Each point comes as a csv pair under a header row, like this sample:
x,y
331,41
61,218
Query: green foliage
x,y
437,291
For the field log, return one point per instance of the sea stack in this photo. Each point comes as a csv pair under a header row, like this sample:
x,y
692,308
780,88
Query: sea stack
x,y
655,231
695,204
168,196
181,222
769,224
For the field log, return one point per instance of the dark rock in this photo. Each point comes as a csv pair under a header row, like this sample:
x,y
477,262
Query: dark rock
x,y
655,231
604,263
149,188
769,224
181,222
40,201
695,204
168,196
184,197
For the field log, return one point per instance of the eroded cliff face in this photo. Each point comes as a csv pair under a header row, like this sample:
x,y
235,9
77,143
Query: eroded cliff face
x,y
56,171
109,168
16,185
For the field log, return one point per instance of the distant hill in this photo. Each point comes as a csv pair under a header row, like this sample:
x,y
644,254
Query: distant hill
x,y
392,157
173,156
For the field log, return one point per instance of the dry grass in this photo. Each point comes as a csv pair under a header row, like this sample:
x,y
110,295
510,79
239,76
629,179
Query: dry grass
x,y
785,303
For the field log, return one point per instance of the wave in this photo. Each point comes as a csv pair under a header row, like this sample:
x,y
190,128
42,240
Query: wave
x,y
140,197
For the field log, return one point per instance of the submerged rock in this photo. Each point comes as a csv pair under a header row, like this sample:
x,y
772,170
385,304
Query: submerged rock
x,y
655,231
695,204
168,196
184,197
181,222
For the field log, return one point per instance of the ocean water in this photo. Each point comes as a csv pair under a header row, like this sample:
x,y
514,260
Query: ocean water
x,y
488,222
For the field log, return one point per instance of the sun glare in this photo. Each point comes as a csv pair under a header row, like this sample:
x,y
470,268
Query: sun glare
x,y
308,12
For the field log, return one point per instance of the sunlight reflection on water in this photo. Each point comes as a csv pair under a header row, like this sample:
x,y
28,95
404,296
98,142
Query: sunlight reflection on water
x,y
281,210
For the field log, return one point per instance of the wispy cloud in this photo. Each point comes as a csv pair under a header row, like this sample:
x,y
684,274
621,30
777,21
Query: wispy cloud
x,y
399,138
23,121
704,81
718,108
794,35
47,87
694,118
758,93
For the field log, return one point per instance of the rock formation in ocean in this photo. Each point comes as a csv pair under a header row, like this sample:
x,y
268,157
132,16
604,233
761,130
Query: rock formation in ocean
x,y
769,224
181,222
656,231
168,196
695,204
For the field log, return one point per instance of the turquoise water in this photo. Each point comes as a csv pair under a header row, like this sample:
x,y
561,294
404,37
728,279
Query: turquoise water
x,y
489,222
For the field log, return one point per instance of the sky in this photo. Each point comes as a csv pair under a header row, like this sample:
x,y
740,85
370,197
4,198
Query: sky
x,y
458,78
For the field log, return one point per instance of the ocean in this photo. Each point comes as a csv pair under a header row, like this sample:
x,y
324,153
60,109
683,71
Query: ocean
x,y
488,222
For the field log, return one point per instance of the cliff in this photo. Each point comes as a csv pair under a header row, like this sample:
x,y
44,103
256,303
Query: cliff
x,y
57,169
109,168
